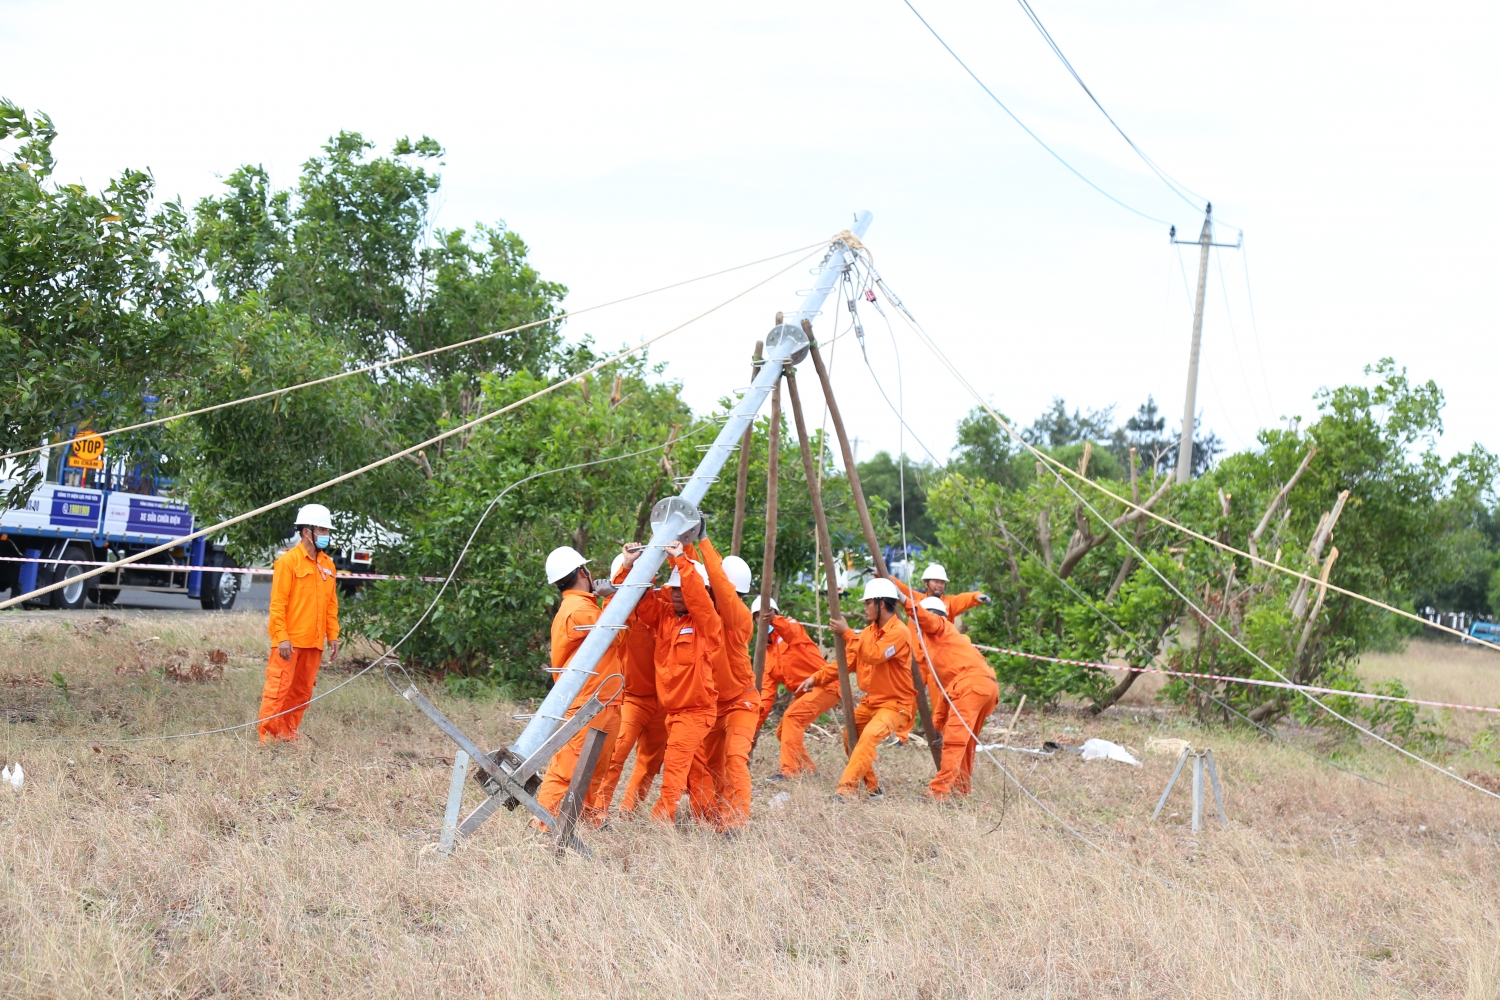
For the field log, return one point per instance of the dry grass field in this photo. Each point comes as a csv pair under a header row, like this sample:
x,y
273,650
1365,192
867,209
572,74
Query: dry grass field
x,y
214,867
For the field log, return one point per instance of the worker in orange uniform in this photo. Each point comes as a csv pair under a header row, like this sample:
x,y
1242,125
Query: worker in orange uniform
x,y
964,688
577,613
304,615
882,657
719,783
643,723
791,658
935,580
689,636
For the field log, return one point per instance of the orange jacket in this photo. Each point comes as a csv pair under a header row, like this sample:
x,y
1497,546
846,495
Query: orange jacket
x,y
737,673
579,608
638,652
882,661
686,644
952,653
304,599
797,656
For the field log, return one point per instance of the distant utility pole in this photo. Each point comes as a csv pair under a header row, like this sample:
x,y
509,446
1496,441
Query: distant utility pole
x,y
1190,404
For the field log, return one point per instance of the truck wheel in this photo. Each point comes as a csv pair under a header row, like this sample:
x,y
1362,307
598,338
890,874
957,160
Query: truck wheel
x,y
218,589
72,596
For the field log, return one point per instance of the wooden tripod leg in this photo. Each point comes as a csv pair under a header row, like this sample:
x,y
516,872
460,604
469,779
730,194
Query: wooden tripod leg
x,y
830,570
578,790
924,709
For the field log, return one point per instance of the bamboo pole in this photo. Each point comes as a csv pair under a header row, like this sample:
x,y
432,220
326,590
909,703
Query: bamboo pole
x,y
868,527
768,560
742,476
830,570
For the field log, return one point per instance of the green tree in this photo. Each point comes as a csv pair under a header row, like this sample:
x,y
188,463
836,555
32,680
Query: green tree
x,y
101,315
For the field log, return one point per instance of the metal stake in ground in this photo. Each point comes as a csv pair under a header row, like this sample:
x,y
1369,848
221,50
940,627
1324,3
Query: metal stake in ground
x,y
1199,757
742,476
924,709
768,559
578,789
830,569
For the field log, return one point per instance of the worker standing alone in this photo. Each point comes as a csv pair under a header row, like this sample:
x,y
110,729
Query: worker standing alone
x,y
304,616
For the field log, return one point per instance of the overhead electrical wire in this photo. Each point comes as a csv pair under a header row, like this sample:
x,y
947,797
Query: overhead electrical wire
x,y
896,303
270,393
461,428
1025,128
1120,629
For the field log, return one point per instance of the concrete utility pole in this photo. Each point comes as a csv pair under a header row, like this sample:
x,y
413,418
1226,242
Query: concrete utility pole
x,y
1190,402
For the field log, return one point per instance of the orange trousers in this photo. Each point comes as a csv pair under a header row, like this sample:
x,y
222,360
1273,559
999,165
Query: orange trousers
x,y
974,699
800,714
560,770
685,731
719,781
873,725
288,683
643,728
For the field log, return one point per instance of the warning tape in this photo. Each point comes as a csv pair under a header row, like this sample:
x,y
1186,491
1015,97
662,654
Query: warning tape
x,y
1229,680
1235,680
177,568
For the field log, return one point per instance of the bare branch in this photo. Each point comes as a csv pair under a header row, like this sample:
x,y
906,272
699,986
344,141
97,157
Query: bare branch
x,y
1278,499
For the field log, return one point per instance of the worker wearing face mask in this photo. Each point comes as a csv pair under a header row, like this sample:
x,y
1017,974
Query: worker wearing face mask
x,y
304,618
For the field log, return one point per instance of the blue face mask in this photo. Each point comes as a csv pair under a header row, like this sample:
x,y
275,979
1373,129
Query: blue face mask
x,y
322,541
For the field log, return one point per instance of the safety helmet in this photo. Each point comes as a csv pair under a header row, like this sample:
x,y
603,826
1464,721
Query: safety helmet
x,y
738,572
935,605
614,567
314,515
675,580
880,587
562,561
755,605
935,571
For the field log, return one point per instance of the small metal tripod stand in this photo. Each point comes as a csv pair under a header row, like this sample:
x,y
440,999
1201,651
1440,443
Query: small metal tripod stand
x,y
1199,756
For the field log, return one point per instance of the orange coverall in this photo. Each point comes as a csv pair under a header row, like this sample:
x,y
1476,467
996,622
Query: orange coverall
x,y
686,646
719,782
304,612
643,724
791,659
947,655
882,658
956,604
579,607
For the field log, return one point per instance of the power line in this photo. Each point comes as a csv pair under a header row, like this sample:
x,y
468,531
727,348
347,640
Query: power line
x,y
1055,155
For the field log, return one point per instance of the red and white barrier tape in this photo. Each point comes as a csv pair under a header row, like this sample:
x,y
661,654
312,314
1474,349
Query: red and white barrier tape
x,y
1230,680
175,568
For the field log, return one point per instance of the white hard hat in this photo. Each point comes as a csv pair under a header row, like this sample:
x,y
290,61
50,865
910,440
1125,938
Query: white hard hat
x,y
738,572
755,605
562,561
935,571
314,515
935,605
675,580
614,567
881,587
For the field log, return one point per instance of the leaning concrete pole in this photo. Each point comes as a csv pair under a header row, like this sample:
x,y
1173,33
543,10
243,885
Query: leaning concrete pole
x,y
681,512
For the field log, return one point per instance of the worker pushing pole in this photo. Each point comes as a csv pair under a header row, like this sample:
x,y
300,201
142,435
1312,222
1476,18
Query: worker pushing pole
x,y
924,708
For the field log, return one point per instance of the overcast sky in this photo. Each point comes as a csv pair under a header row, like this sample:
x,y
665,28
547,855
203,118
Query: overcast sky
x,y
631,147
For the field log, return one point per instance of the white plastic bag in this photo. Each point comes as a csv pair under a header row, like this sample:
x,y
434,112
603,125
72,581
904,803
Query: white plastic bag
x,y
1097,749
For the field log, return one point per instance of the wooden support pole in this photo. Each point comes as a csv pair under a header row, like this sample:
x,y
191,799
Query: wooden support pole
x,y
868,527
830,569
768,559
578,789
742,476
